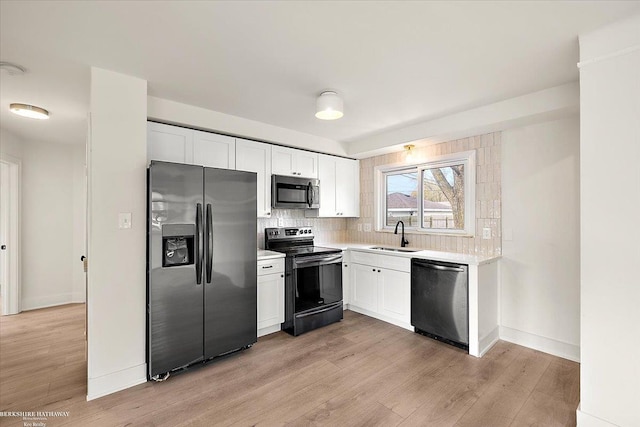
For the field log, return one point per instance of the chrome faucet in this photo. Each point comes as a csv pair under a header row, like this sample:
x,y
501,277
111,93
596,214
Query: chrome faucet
x,y
403,242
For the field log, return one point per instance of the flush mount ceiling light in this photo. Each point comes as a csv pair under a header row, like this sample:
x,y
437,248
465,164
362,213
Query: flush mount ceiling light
x,y
12,69
329,106
409,152
30,111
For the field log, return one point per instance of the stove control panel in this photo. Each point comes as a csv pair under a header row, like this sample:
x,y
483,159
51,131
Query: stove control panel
x,y
288,233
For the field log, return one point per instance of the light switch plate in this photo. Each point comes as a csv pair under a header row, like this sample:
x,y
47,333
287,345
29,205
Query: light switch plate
x,y
359,226
124,220
486,233
367,227
280,222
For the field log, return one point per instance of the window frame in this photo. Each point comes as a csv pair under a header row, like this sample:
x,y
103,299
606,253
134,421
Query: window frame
x,y
466,158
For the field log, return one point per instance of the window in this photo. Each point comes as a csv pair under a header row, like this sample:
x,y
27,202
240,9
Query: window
x,y
434,197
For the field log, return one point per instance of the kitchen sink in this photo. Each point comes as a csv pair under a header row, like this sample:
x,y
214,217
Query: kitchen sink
x,y
381,248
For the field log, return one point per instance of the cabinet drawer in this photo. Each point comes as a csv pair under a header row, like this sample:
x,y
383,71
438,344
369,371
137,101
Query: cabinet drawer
x,y
391,262
270,266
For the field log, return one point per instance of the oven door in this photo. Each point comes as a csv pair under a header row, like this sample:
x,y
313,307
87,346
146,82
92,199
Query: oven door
x,y
317,281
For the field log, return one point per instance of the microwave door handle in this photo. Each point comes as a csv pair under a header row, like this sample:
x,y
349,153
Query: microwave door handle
x,y
198,244
309,195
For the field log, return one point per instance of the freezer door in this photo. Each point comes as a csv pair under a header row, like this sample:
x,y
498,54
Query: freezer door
x,y
174,297
230,314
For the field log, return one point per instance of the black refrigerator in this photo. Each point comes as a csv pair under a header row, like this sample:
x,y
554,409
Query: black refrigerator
x,y
201,264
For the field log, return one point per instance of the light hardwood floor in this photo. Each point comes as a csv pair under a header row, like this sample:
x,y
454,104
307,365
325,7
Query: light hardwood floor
x,y
360,371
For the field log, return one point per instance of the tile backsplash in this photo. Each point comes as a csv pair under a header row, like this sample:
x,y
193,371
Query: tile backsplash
x,y
488,199
324,229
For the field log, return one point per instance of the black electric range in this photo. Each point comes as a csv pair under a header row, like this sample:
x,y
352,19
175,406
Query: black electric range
x,y
313,279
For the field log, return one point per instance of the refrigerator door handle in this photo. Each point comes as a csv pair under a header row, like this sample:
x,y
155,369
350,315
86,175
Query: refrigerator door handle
x,y
209,243
198,245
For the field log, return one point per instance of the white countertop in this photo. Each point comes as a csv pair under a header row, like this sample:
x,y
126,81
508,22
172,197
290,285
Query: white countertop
x,y
263,254
421,253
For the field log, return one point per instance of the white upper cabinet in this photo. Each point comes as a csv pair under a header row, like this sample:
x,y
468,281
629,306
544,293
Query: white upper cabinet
x,y
254,156
339,186
292,162
169,143
214,150
180,145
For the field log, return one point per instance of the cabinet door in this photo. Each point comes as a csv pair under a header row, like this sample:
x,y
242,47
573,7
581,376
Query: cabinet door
x,y
327,176
306,164
270,300
364,286
347,188
256,157
291,162
213,150
394,298
169,143
283,161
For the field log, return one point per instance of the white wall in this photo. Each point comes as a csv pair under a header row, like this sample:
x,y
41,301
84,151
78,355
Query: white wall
x,y
116,299
49,220
540,266
10,144
610,255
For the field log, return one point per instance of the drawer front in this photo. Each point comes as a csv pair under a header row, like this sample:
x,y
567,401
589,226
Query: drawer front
x,y
364,258
270,266
398,263
391,262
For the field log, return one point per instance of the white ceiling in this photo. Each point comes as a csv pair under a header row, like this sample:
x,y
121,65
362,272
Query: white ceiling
x,y
395,63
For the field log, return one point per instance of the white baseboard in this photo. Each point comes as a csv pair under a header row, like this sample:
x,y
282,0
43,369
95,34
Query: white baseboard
x,y
489,341
47,301
269,330
586,420
383,318
116,381
540,343
78,297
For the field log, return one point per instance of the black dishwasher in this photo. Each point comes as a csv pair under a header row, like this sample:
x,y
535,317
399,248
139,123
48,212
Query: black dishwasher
x,y
440,301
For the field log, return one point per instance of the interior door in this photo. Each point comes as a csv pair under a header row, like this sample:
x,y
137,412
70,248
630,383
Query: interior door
x,y
230,313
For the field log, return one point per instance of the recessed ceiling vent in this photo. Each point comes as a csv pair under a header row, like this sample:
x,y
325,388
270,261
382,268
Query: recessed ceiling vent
x,y
12,69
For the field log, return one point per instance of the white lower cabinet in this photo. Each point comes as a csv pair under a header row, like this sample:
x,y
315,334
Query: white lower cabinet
x,y
394,295
381,292
364,289
270,295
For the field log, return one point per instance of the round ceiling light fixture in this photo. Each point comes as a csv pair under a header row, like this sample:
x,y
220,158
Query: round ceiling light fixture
x,y
30,111
12,69
329,106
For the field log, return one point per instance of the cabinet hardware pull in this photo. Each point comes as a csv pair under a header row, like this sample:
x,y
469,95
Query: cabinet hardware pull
x,y
267,266
378,271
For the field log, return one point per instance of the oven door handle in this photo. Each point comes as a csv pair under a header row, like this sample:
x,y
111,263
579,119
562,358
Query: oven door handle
x,y
322,310
315,261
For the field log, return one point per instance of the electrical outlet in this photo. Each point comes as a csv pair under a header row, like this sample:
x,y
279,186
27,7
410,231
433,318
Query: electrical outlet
x,y
486,233
280,222
359,226
367,228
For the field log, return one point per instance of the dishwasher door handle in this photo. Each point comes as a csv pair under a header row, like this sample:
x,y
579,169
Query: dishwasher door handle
x,y
440,267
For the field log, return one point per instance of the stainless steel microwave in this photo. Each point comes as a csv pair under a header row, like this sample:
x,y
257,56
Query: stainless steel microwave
x,y
294,193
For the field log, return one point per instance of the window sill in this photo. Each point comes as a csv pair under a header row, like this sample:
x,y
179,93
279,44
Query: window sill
x,y
427,232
